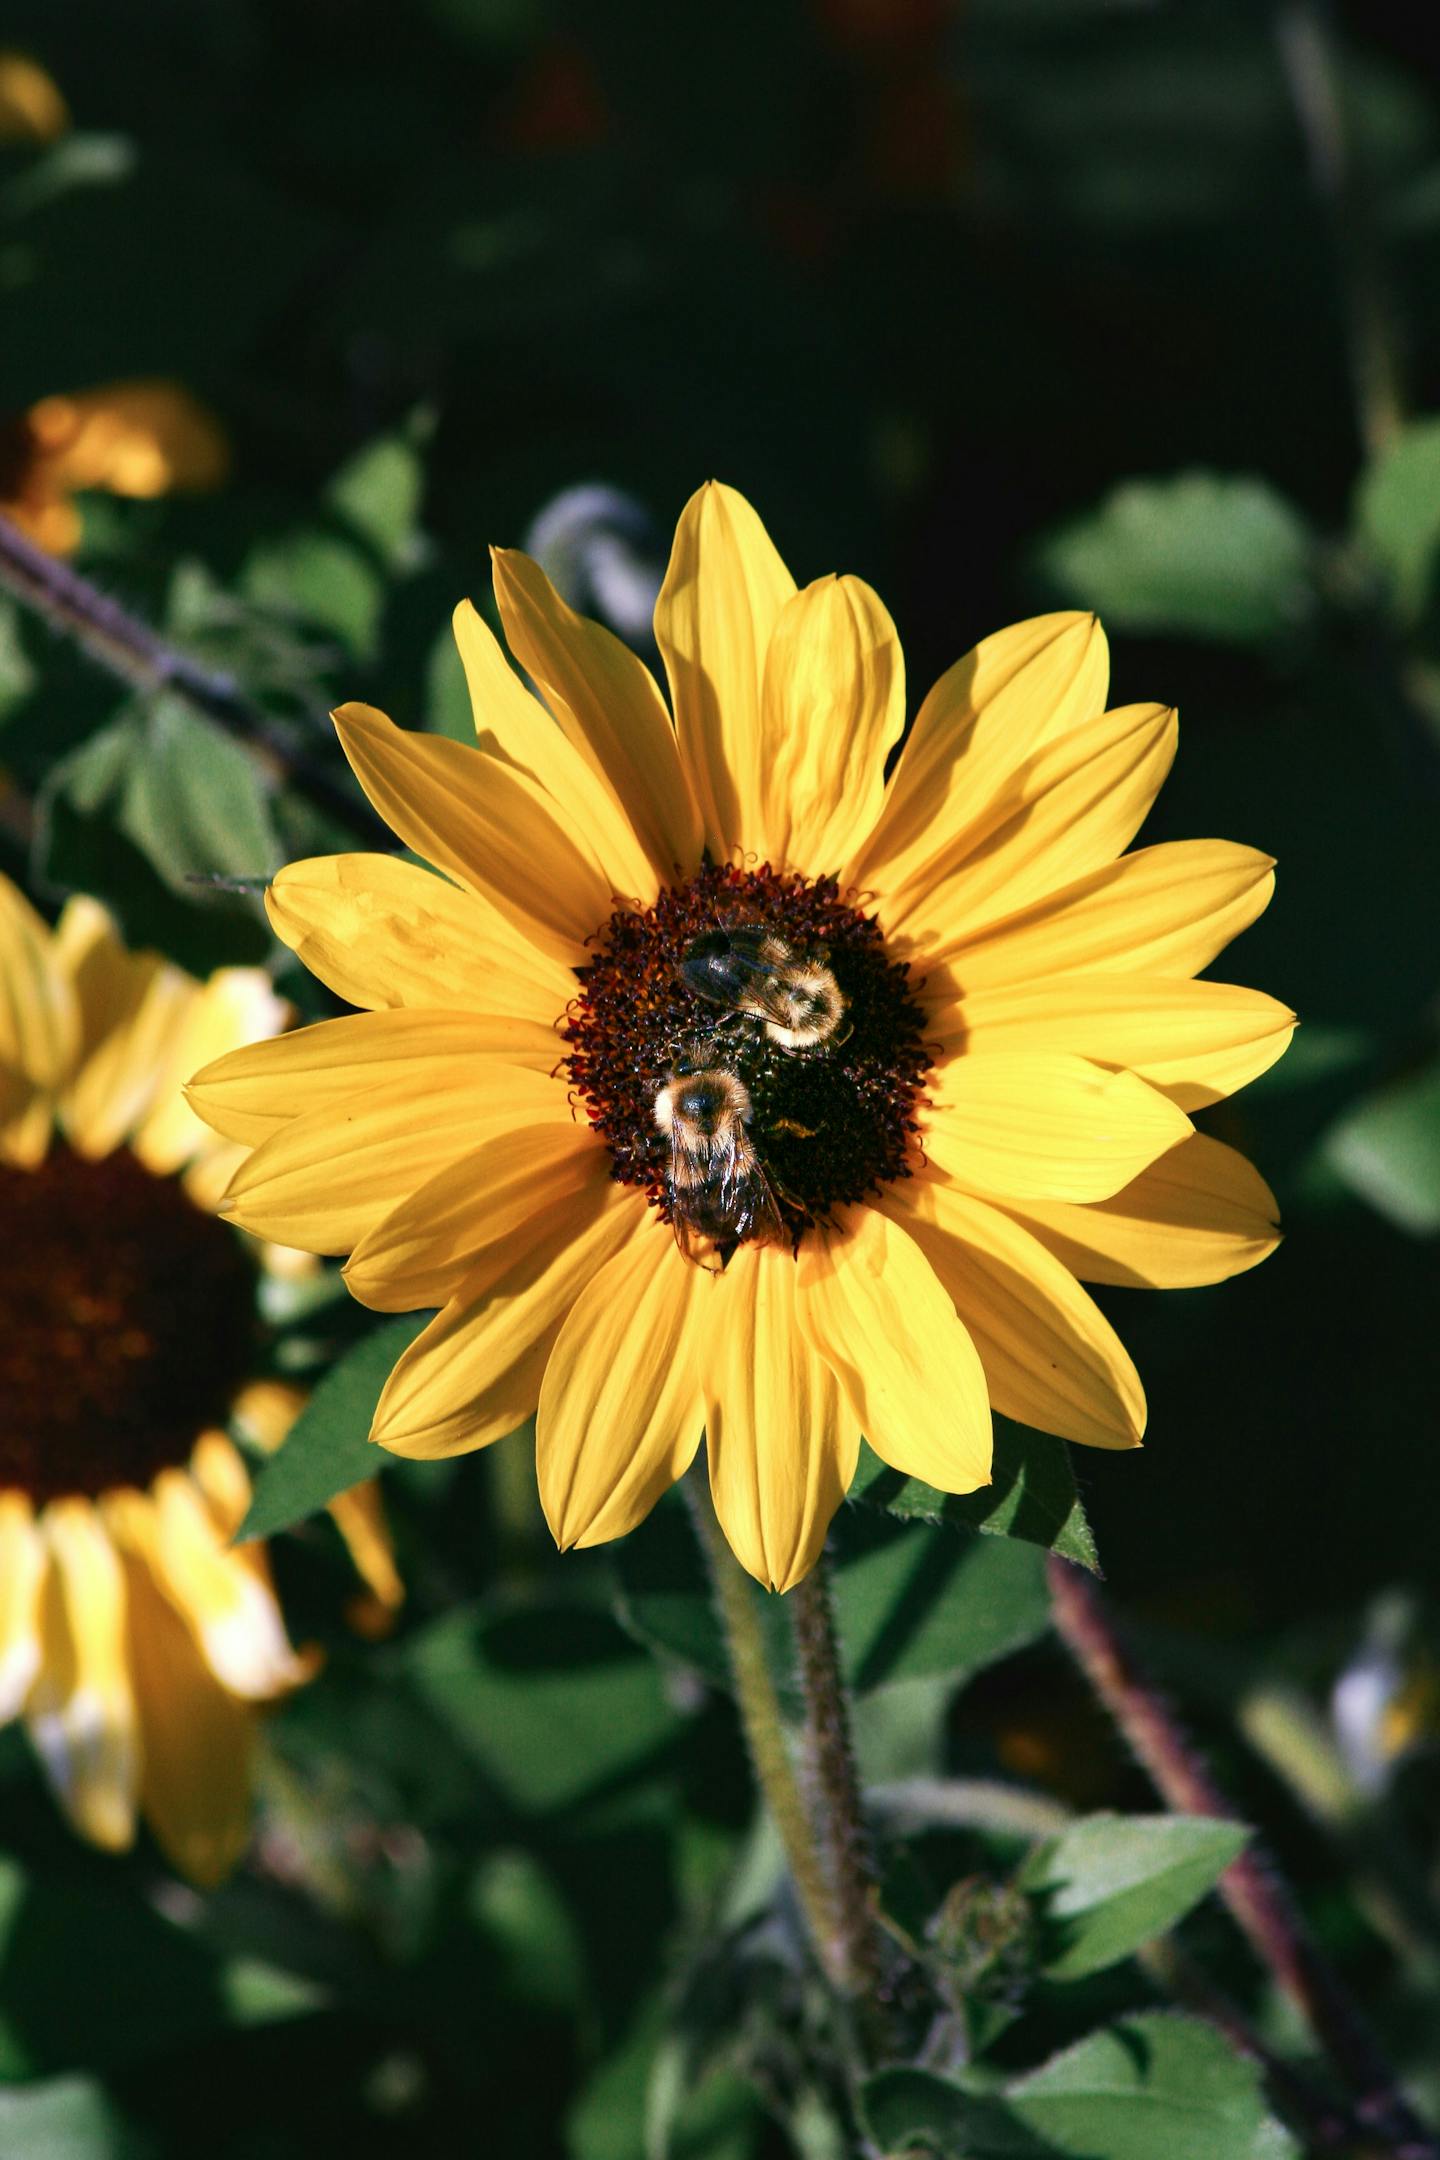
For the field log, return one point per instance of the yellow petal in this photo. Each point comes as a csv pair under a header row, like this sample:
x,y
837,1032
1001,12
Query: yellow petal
x,y
723,591
27,1118
515,727
381,932
1022,688
1069,809
330,1176
832,704
621,1408
236,1005
1194,1041
196,1739
1200,1214
485,824
32,109
606,701
872,1306
265,1410
1051,1358
22,1568
359,1516
219,1471
132,1008
39,1029
1047,1127
422,1251
252,1094
81,1712
222,1591
1165,910
475,1373
781,1438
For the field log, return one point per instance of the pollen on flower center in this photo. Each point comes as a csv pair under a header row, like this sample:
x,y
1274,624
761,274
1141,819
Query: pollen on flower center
x,y
829,1123
125,1324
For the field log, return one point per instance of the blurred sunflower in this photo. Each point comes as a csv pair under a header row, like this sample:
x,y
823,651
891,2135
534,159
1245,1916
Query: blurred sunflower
x,y
133,1639
984,1098
142,439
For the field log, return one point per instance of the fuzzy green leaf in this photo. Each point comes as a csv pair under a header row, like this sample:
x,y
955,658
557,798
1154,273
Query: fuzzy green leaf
x,y
1112,1882
1032,1495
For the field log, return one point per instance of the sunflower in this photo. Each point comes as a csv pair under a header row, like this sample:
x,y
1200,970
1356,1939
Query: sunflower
x,y
134,1640
984,1098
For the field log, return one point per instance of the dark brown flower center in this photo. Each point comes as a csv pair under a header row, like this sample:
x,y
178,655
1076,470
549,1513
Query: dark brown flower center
x,y
125,1324
829,1123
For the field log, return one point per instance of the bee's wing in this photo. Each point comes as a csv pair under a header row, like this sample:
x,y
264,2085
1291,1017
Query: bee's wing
x,y
696,1245
766,1227
690,1179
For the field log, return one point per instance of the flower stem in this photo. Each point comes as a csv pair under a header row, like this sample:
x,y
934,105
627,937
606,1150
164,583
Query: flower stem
x,y
854,1951
128,648
1260,1901
761,1719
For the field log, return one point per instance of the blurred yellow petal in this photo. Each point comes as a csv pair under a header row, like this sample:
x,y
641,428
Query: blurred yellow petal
x,y
250,1095
1046,1127
1051,1358
359,1516
606,701
871,1305
621,1408
81,1712
512,725
485,824
1199,1214
381,932
219,1471
832,705
1165,910
22,1568
1016,691
223,1591
32,109
422,1251
196,1740
1194,1041
235,1005
781,1439
1071,808
39,1025
474,1374
328,1177
143,438
132,1007
722,594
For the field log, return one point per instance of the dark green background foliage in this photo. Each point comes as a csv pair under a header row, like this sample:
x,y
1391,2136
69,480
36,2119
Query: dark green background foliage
x,y
1004,304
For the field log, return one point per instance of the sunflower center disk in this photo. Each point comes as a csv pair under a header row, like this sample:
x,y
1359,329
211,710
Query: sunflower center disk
x,y
125,1324
829,1120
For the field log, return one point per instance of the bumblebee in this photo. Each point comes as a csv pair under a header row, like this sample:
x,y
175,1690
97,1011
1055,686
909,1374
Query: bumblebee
x,y
752,972
717,1190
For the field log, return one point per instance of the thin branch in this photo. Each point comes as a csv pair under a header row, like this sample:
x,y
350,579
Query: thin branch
x,y
138,656
1257,1895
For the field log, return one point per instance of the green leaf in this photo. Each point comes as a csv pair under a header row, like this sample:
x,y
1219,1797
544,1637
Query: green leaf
x,y
319,578
186,794
377,496
18,673
1112,1882
328,1448
551,1702
1387,1149
912,1599
1032,1496
910,2110
1147,2085
1201,555
1397,513
68,2118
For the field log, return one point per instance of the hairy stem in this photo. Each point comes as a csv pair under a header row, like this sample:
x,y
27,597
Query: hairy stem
x,y
854,1951
761,1720
138,656
1259,1899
